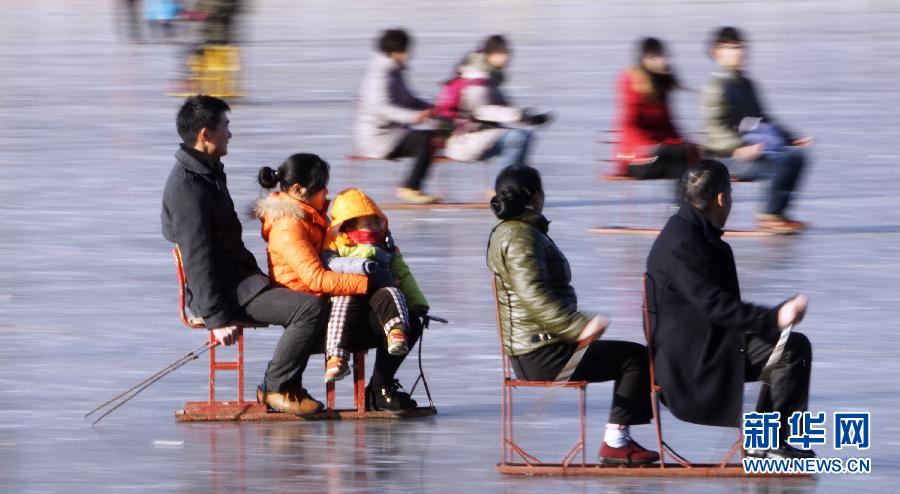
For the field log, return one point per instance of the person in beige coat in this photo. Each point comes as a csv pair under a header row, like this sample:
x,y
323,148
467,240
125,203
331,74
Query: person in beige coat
x,y
387,111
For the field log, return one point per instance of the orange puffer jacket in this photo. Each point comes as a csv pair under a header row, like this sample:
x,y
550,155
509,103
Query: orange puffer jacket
x,y
296,233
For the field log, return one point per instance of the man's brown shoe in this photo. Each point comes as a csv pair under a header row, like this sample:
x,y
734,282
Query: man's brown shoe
x,y
779,224
294,402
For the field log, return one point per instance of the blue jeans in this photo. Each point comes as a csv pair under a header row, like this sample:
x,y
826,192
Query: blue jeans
x,y
512,148
783,169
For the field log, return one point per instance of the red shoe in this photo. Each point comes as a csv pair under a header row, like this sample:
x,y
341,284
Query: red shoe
x,y
631,454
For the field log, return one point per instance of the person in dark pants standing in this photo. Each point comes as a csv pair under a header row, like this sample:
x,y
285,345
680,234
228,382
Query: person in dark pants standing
x,y
224,284
706,341
387,109
539,319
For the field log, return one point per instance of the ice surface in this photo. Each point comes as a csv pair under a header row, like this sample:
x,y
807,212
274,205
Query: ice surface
x,y
87,288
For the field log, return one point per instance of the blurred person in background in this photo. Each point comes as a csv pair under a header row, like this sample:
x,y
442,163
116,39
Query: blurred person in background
x,y
210,46
750,142
480,113
217,17
387,111
160,16
129,9
649,145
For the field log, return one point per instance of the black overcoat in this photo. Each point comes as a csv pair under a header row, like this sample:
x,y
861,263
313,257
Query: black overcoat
x,y
699,324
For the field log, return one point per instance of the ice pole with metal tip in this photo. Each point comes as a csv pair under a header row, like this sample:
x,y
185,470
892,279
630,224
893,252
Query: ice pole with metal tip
x,y
775,356
141,386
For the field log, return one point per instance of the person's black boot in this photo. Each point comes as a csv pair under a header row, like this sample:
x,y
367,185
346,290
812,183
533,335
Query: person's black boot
x,y
787,451
783,451
389,397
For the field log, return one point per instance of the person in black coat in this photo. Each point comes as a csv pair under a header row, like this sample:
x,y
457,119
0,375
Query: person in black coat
x,y
224,284
706,341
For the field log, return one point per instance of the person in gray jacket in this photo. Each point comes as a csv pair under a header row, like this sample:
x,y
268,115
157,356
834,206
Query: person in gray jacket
x,y
387,111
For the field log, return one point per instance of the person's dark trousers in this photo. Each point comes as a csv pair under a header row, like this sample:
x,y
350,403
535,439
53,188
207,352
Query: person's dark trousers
x,y
624,362
386,365
671,162
784,168
416,144
303,317
788,388
387,303
787,166
389,306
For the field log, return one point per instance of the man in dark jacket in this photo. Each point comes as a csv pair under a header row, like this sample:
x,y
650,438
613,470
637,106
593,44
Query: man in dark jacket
x,y
224,284
706,341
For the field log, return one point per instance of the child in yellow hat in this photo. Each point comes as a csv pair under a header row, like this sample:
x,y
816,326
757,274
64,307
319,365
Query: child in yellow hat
x,y
360,242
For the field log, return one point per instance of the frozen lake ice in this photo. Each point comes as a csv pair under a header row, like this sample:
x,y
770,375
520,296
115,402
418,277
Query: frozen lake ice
x,y
88,293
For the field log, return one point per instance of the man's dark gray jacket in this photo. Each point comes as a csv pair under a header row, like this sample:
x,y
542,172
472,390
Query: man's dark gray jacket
x,y
198,215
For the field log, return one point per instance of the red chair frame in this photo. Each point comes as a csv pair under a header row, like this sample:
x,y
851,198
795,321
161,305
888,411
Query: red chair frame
x,y
655,390
530,465
508,445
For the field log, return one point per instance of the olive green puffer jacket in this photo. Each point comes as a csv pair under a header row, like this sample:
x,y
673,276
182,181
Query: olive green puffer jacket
x,y
536,301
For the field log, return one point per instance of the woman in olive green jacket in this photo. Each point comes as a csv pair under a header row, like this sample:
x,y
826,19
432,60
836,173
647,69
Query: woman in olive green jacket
x,y
539,319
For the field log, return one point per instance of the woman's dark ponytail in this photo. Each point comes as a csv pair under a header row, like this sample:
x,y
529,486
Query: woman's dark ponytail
x,y
307,170
268,178
515,188
508,204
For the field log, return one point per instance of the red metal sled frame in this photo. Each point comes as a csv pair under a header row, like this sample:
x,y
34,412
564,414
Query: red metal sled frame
x,y
511,449
214,410
530,465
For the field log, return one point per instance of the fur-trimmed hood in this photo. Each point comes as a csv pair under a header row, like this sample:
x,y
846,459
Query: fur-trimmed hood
x,y
295,235
278,206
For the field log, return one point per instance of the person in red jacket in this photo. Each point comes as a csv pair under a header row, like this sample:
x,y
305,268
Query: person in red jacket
x,y
649,146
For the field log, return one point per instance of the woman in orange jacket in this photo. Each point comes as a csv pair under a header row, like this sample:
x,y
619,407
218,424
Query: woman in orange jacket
x,y
295,226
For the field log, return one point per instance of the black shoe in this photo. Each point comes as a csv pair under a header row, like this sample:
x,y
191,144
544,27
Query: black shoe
x,y
788,451
783,451
388,398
